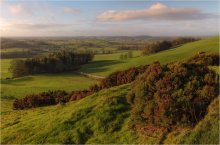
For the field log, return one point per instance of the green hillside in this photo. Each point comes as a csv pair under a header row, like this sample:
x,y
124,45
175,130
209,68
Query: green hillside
x,y
108,65
100,118
20,87
5,64
102,65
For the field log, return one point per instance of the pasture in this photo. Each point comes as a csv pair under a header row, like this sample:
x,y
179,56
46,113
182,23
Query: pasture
x,y
67,123
102,65
5,64
20,87
102,117
13,50
106,64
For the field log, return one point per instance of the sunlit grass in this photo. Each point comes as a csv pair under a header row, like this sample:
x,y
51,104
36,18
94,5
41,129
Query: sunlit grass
x,y
111,63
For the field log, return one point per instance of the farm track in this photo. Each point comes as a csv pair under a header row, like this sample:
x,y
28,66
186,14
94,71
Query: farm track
x,y
91,76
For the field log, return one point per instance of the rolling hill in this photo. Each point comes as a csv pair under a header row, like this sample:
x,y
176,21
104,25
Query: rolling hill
x,y
104,116
105,64
100,118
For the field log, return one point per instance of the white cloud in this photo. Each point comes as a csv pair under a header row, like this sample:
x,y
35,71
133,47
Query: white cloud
x,y
32,26
71,10
19,9
157,11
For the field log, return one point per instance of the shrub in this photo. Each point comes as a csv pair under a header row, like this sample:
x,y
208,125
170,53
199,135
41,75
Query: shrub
x,y
42,99
56,97
169,95
122,77
77,95
205,59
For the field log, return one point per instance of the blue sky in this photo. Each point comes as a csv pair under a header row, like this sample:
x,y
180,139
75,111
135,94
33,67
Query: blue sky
x,y
108,18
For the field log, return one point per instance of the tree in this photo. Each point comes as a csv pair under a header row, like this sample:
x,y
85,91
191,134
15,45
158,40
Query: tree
x,y
121,57
60,61
18,68
125,56
130,54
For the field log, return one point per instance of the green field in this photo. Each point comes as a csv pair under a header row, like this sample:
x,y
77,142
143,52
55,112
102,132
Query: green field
x,y
106,64
37,83
22,86
13,50
102,65
94,117
5,64
102,117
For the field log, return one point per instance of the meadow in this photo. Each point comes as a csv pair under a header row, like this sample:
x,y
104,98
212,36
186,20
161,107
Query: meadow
x,y
19,87
102,65
102,117
14,50
106,64
5,64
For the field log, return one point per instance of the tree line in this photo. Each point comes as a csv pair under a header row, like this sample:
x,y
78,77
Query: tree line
x,y
19,54
125,56
155,47
56,62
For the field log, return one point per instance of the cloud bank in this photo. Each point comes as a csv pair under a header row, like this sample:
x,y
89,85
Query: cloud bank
x,y
19,9
157,11
40,26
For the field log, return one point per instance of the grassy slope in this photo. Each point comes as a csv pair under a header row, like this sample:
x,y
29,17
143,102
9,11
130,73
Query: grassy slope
x,y
100,118
110,64
22,86
13,50
5,64
17,88
37,83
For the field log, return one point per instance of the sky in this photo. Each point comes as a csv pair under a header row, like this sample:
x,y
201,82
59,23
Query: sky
x,y
108,18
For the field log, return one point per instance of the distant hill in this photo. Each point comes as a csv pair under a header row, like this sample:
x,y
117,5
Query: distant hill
x,y
209,45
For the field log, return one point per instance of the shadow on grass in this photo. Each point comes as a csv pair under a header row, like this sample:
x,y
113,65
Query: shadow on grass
x,y
99,66
17,81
